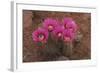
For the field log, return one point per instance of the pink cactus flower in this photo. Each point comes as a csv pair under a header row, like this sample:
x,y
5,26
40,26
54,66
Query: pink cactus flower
x,y
40,35
70,24
58,32
68,35
50,24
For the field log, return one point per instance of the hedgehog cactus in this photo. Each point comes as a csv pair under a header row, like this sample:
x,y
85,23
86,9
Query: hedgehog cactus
x,y
65,33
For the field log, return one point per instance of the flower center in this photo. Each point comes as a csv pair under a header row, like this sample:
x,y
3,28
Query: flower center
x,y
50,27
41,37
59,34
